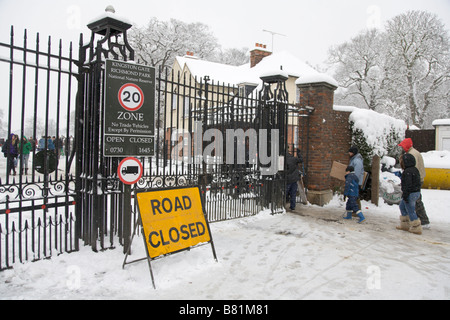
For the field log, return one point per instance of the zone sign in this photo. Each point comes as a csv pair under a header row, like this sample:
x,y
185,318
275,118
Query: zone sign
x,y
129,110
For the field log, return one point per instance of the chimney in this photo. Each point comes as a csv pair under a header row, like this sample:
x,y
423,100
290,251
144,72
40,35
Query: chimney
x,y
191,55
258,53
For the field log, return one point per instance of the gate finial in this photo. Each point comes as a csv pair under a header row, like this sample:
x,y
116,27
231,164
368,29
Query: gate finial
x,y
110,8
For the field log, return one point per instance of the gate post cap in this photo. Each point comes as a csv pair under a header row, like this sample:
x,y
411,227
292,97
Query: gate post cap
x,y
109,21
274,76
319,78
110,8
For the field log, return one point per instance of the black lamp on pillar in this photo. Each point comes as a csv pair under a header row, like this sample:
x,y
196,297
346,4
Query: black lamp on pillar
x,y
111,27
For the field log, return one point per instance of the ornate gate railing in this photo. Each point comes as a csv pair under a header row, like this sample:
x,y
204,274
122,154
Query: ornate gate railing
x,y
37,185
230,142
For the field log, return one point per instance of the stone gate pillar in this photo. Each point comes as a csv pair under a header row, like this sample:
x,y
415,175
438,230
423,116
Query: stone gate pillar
x,y
318,92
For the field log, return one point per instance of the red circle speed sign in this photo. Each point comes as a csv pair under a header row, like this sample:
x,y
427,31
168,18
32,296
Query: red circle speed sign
x,y
131,97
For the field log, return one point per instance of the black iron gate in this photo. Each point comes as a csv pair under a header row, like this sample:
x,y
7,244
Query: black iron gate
x,y
230,142
37,185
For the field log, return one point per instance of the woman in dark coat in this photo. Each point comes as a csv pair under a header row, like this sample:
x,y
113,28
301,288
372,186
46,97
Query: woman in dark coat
x,y
10,152
410,193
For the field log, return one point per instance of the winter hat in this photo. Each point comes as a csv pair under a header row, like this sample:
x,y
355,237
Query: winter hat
x,y
406,144
349,168
409,160
353,150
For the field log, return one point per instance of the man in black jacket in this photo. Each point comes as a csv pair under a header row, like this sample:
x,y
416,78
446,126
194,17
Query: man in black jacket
x,y
292,178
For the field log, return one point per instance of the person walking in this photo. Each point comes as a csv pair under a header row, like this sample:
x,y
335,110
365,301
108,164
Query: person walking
x,y
357,162
351,191
10,152
292,178
408,147
24,149
411,186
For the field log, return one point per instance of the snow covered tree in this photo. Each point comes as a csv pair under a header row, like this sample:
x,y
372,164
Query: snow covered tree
x,y
360,69
233,56
420,63
404,71
158,43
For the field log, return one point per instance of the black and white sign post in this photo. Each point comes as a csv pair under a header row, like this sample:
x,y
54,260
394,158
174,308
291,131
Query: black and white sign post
x,y
129,123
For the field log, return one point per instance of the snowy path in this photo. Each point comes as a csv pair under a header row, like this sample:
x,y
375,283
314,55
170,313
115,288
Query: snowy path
x,y
310,254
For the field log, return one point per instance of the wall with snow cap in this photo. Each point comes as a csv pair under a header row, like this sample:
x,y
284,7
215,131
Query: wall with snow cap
x,y
442,134
317,78
378,130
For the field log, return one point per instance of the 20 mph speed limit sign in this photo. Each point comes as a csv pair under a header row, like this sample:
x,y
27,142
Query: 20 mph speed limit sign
x,y
131,97
129,111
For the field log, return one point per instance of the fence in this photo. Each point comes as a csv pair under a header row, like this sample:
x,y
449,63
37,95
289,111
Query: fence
x,y
71,191
36,190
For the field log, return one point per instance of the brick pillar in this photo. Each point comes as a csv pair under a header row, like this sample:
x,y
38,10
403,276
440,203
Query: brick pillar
x,y
319,95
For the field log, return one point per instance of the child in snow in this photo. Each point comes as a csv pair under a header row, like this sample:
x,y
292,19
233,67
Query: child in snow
x,y
352,192
411,186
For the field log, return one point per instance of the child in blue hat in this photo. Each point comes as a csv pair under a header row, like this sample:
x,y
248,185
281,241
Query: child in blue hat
x,y
352,192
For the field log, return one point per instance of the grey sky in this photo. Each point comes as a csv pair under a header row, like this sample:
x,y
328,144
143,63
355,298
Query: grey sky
x,y
311,27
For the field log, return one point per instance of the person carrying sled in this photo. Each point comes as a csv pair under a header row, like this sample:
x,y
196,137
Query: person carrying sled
x,y
351,191
411,186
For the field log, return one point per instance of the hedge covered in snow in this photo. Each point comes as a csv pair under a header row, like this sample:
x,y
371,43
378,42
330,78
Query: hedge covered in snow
x,y
376,134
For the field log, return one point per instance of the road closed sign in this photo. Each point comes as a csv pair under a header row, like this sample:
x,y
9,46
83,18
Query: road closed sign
x,y
172,220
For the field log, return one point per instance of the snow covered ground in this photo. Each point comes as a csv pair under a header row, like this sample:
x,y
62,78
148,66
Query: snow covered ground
x,y
309,254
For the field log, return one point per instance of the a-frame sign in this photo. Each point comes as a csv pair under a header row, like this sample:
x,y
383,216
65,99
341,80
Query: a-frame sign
x,y
172,220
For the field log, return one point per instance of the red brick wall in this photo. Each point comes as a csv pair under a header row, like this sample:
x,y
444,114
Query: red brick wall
x,y
329,135
342,139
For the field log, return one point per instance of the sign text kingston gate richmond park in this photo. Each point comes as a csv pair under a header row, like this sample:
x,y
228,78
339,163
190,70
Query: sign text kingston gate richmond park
x,y
129,121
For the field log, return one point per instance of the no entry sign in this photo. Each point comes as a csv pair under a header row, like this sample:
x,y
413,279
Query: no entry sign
x,y
129,115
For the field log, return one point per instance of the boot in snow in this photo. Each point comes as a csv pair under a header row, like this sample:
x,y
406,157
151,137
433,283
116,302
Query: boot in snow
x,y
348,216
361,217
404,223
416,227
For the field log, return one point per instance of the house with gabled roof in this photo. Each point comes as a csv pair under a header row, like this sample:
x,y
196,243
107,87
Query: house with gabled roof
x,y
232,81
262,62
328,133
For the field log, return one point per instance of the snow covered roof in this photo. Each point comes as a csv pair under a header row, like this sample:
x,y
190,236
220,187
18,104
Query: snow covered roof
x,y
285,61
222,73
441,122
234,75
317,78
